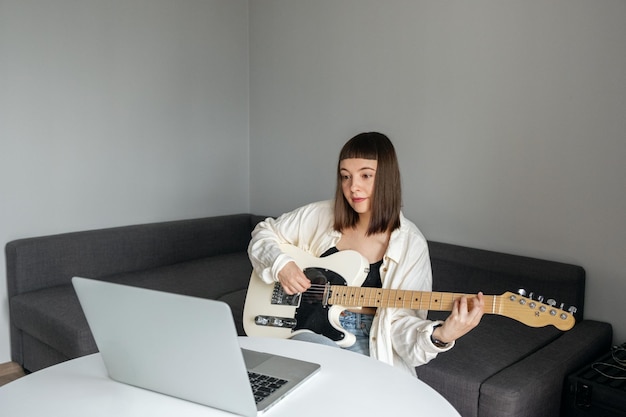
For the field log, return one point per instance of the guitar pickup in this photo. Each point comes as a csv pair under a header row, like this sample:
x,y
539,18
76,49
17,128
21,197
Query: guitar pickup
x,y
273,321
281,298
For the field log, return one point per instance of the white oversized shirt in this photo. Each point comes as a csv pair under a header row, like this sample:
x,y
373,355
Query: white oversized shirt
x,y
399,336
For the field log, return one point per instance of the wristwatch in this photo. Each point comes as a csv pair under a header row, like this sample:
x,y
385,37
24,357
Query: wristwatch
x,y
438,343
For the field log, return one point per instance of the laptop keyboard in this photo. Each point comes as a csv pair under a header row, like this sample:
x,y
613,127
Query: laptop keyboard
x,y
264,385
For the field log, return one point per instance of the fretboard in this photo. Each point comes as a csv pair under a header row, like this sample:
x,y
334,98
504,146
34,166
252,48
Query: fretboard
x,y
416,300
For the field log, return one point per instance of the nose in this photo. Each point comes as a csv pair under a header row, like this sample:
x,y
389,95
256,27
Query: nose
x,y
354,184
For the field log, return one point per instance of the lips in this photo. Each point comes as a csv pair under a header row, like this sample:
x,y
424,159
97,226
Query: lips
x,y
358,200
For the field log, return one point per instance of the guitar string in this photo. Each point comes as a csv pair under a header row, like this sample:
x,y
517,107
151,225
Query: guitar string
x,y
321,289
316,288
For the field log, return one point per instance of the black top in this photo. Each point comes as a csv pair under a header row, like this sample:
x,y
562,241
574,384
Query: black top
x,y
373,276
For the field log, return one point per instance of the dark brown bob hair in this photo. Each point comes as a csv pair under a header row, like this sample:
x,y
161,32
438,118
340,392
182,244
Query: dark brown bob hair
x,y
387,197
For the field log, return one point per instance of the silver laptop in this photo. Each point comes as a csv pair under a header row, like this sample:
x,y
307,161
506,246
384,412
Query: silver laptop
x,y
182,346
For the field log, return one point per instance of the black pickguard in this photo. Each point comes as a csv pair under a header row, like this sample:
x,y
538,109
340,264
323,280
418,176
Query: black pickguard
x,y
312,314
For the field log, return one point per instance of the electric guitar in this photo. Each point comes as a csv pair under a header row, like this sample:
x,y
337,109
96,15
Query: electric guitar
x,y
335,286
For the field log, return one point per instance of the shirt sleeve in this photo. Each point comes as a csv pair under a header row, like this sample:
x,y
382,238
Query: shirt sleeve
x,y
307,227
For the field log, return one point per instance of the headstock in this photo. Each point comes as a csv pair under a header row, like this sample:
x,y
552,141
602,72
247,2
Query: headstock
x,y
535,313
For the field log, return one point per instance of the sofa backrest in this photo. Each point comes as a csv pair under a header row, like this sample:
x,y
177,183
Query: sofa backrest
x,y
469,270
39,262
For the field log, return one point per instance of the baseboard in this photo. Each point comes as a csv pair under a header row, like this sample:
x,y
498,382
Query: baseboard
x,y
10,371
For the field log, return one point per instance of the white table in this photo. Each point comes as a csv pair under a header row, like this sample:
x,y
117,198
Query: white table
x,y
348,384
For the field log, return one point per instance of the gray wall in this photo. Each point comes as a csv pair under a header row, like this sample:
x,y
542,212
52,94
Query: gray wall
x,y
118,112
509,118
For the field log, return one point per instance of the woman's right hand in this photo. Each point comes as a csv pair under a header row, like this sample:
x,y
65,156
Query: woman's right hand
x,y
293,279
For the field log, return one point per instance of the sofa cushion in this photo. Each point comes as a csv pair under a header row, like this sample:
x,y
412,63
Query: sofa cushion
x,y
209,277
540,375
54,315
497,343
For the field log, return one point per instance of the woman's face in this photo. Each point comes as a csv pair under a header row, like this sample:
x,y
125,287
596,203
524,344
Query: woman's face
x,y
357,182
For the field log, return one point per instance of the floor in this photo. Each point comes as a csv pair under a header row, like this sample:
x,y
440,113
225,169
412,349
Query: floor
x,y
10,371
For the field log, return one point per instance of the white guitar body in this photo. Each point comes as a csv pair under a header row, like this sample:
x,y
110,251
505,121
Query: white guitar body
x,y
268,312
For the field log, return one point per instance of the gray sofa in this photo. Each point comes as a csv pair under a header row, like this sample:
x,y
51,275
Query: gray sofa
x,y
501,368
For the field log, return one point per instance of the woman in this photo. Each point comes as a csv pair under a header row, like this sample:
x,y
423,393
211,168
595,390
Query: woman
x,y
365,216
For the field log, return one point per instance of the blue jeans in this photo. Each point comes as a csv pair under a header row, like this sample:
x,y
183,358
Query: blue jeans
x,y
360,326
357,324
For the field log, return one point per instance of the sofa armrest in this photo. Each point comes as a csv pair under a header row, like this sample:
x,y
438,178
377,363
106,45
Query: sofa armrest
x,y
533,386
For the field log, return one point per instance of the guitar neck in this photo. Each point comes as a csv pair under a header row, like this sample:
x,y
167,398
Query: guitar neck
x,y
415,300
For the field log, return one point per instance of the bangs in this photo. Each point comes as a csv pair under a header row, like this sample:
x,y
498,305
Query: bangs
x,y
363,146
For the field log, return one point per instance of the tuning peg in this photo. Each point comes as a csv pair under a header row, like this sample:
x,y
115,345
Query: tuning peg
x,y
572,310
522,292
540,298
551,302
531,295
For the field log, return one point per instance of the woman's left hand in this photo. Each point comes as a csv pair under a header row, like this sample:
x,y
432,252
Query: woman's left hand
x,y
466,314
